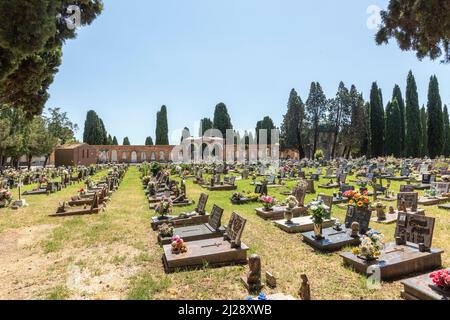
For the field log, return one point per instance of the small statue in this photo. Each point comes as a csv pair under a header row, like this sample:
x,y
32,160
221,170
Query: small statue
x,y
305,290
254,276
391,210
354,230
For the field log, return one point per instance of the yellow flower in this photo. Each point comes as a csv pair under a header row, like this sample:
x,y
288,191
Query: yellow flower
x,y
360,204
351,202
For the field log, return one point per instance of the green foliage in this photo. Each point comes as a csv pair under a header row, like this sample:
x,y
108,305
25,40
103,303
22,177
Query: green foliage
x,y
393,145
60,125
293,122
205,125
115,142
318,155
397,95
316,107
424,132
446,150
149,141
222,120
31,40
110,140
376,122
144,286
94,130
436,134
420,25
162,129
265,124
339,115
126,141
413,126
155,168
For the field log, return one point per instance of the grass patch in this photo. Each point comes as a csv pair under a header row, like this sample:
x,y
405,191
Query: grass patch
x,y
144,286
59,293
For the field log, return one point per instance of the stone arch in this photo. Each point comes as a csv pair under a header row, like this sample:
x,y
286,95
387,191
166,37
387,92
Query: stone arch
x,y
114,156
153,156
143,156
124,156
133,157
162,156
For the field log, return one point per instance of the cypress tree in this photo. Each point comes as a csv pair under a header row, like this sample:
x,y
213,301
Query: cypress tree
x,y
393,129
292,126
126,141
110,140
115,142
316,106
397,94
149,141
265,124
94,131
376,121
423,132
104,133
162,128
435,120
205,125
413,126
447,133
222,120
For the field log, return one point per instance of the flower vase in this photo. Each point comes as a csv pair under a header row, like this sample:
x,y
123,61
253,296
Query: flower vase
x,y
318,231
288,215
367,258
267,209
380,214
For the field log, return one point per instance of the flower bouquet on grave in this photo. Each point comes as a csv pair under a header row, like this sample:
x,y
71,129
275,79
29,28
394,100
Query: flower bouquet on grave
x,y
253,196
164,208
319,213
357,199
5,197
146,180
431,193
370,247
291,203
442,280
178,245
237,197
268,203
165,231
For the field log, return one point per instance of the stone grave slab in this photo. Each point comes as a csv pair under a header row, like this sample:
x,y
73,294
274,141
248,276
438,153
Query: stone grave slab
x,y
193,233
432,201
188,219
390,218
397,261
333,239
215,252
277,213
301,224
423,288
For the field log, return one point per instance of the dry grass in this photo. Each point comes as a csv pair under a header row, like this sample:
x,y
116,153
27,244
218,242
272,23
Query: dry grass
x,y
114,255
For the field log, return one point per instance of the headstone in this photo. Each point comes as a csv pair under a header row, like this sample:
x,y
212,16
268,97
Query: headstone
x,y
235,229
215,218
360,215
202,203
271,281
415,229
407,188
408,199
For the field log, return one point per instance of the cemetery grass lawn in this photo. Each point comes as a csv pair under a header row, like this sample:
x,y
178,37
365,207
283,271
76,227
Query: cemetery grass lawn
x,y
114,255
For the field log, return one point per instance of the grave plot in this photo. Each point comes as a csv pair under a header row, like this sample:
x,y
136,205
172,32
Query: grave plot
x,y
404,174
279,212
437,194
333,239
65,210
198,216
426,181
423,288
211,229
215,252
217,185
406,202
410,253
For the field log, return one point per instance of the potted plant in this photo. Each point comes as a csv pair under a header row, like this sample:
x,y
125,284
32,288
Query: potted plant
x,y
370,247
178,245
291,203
442,280
165,231
268,203
164,208
319,213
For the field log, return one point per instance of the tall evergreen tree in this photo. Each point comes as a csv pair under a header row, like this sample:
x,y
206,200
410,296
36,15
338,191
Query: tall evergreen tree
x,y
316,106
110,140
94,130
446,133
104,133
115,142
205,125
340,114
393,129
126,141
376,122
149,141
293,122
413,126
162,128
265,124
423,132
397,94
435,120
222,120
185,134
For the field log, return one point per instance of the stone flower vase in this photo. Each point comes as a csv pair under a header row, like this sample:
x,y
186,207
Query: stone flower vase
x,y
318,231
288,215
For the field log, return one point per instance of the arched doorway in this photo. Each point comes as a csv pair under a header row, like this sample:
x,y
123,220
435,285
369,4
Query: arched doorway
x,y
134,157
161,156
143,156
114,156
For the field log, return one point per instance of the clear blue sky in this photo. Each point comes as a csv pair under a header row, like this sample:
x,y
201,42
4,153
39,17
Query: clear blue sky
x,y
192,54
